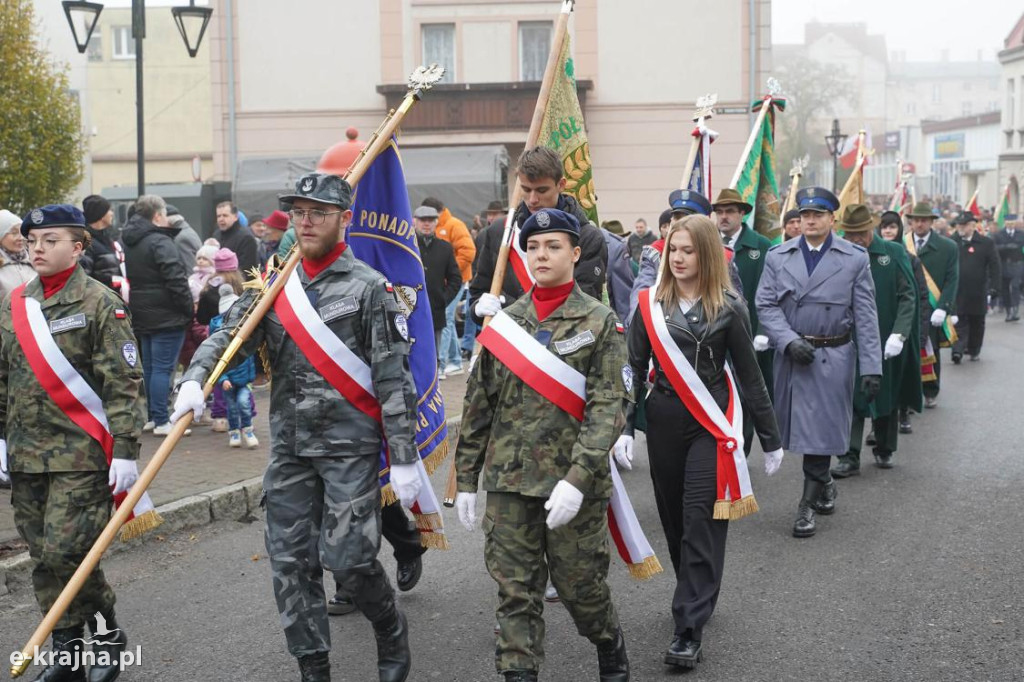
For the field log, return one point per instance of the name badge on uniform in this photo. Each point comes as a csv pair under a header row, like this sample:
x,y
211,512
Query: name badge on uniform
x,y
575,343
67,323
345,306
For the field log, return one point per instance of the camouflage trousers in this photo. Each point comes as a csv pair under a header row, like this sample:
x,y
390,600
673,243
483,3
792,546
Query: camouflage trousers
x,y
60,515
324,513
520,551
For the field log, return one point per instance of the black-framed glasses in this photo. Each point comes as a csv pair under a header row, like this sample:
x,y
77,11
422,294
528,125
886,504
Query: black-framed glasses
x,y
48,244
315,215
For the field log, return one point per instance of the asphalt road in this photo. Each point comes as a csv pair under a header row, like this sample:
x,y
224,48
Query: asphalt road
x,y
918,576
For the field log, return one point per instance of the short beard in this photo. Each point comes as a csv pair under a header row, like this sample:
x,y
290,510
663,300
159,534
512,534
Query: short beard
x,y
322,247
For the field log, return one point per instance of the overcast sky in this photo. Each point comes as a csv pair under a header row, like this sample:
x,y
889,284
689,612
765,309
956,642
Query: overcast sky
x,y
920,27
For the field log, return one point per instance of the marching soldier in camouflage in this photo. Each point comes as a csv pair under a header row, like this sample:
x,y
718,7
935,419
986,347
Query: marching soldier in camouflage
x,y
61,481
322,483
531,455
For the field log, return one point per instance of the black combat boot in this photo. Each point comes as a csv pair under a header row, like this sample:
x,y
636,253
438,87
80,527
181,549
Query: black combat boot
x,y
826,502
612,661
315,667
408,573
393,656
520,676
684,651
69,640
804,526
109,641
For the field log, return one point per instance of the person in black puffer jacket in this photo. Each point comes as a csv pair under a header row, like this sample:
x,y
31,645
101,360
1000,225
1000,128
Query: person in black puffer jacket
x,y
161,302
102,259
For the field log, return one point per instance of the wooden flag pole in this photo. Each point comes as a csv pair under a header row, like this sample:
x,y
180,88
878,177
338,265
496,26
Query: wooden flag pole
x,y
766,104
421,80
501,265
705,110
794,186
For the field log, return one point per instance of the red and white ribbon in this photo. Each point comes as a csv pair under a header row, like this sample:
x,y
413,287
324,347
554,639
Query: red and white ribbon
x,y
517,258
735,497
62,382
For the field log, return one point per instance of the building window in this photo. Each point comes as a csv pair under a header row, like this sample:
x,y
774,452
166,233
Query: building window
x,y
123,43
94,50
936,94
534,45
439,48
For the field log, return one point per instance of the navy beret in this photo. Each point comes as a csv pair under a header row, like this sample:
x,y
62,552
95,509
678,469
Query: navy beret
x,y
816,199
689,201
54,215
548,220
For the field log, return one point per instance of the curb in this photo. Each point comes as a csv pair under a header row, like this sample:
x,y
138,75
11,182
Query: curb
x,y
239,502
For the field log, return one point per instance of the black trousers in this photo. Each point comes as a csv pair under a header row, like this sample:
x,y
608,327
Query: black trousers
x,y
931,388
887,435
684,470
401,532
1010,295
971,332
816,468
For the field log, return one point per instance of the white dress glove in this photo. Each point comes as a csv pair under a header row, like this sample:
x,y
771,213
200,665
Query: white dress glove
x,y
893,346
5,473
405,481
772,461
623,452
953,320
938,317
761,343
563,505
465,504
123,474
190,399
488,305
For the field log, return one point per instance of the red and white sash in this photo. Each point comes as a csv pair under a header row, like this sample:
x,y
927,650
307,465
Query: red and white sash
x,y
517,257
352,378
566,388
121,283
735,497
72,394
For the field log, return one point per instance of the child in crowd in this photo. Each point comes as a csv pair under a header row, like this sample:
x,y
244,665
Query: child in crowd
x,y
203,270
225,265
235,382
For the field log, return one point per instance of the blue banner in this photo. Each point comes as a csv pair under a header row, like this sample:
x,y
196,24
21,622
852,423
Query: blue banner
x,y
382,236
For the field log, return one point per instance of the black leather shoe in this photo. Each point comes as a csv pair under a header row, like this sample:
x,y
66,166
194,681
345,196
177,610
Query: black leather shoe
x,y
804,527
957,357
110,639
883,459
826,502
845,468
613,664
340,605
315,667
393,656
70,640
683,652
409,573
520,676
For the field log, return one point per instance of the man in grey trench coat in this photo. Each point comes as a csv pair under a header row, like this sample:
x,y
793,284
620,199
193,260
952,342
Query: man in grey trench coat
x,y
816,304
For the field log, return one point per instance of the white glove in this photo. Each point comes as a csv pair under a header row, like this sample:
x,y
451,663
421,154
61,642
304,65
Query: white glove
x,y
772,461
190,399
938,317
405,481
623,452
953,320
488,305
563,505
123,474
761,343
465,503
893,346
5,474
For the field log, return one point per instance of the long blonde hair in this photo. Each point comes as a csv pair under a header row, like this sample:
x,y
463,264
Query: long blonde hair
x,y
712,271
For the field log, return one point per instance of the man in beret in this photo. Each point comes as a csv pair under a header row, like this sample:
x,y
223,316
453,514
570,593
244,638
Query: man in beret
x,y
816,293
979,274
64,468
327,419
544,460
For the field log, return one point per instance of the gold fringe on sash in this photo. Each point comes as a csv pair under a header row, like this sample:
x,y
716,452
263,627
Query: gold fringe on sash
x,y
140,525
646,569
387,495
435,458
434,540
429,522
726,510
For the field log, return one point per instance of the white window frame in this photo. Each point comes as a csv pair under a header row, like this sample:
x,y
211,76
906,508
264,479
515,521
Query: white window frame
x,y
450,74
122,44
529,25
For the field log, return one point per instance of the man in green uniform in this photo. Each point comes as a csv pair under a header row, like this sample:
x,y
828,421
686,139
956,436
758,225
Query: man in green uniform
x,y
940,259
896,300
62,477
749,248
543,408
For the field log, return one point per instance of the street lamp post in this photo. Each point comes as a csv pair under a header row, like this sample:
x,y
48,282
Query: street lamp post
x,y
191,22
835,143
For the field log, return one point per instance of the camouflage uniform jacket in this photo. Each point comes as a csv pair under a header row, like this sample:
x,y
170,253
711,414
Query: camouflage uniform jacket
x,y
102,347
308,416
521,441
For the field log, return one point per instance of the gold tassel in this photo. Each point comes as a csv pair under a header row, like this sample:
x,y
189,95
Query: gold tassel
x,y
387,495
722,510
435,458
140,525
743,507
429,521
646,569
434,541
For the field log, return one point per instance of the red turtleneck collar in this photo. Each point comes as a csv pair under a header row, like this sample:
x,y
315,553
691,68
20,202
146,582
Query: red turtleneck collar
x,y
54,283
547,299
314,267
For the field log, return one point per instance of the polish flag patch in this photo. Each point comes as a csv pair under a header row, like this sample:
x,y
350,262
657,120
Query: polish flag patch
x,y
119,313
619,328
